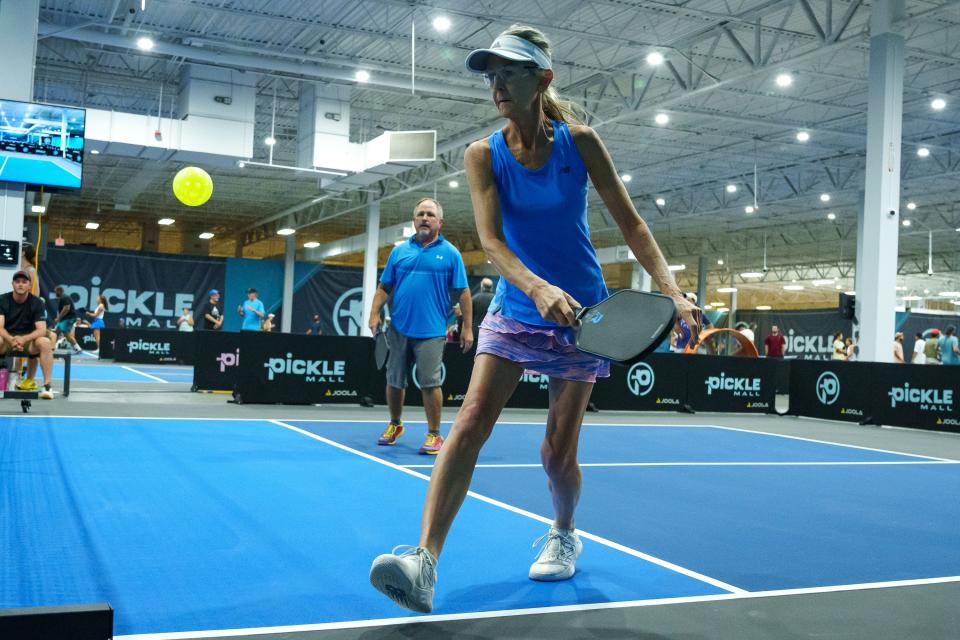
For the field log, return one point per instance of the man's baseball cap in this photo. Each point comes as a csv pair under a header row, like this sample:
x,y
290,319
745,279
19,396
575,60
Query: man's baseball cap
x,y
508,47
21,274
212,292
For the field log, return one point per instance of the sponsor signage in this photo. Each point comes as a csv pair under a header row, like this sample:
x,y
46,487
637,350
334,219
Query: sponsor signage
x,y
299,369
217,361
917,396
831,390
153,347
730,384
658,383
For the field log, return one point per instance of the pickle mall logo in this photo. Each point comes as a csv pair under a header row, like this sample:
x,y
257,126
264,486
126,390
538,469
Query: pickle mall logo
x,y
828,388
640,379
309,370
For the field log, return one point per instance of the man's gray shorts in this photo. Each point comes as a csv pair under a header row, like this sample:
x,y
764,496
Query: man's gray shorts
x,y
427,353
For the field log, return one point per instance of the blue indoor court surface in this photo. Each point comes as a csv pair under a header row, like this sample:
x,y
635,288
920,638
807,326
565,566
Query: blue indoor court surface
x,y
80,372
187,525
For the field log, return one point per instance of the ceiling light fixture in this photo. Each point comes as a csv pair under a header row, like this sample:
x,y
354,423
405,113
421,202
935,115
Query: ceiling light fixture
x,y
144,43
923,152
206,235
362,76
661,202
626,177
938,104
654,58
286,231
313,244
661,118
763,307
165,222
751,274
453,184
831,216
441,23
93,226
784,80
731,188
824,197
911,205
803,136
727,290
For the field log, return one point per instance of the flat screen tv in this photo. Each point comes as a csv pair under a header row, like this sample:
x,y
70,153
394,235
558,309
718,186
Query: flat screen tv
x,y
41,144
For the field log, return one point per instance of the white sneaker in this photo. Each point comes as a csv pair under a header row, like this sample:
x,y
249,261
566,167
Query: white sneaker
x,y
407,578
557,559
46,394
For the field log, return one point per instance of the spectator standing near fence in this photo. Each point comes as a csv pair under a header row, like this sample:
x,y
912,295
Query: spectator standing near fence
x,y
481,301
252,312
918,357
949,348
839,348
898,348
212,312
185,321
315,329
931,347
774,344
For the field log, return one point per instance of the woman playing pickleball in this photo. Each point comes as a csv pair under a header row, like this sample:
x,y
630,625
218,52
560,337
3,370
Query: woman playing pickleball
x,y
528,184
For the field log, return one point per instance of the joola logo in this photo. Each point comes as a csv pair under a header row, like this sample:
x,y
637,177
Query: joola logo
x,y
153,348
311,370
738,386
228,359
927,399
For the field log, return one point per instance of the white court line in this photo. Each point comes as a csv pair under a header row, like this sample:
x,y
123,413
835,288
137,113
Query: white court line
x,y
508,613
836,444
583,534
146,375
704,464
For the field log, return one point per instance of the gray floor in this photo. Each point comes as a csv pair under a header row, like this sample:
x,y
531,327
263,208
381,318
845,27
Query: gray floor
x,y
927,612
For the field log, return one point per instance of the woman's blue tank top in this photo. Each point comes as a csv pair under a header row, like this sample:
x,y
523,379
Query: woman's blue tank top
x,y
544,214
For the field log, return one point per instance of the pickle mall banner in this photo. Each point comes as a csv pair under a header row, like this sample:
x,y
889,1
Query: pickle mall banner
x,y
150,290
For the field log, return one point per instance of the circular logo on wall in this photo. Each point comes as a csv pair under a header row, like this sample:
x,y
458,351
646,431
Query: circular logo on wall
x,y
348,312
828,388
640,379
443,375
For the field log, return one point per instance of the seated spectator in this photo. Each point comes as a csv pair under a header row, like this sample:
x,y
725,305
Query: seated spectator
x,y
23,328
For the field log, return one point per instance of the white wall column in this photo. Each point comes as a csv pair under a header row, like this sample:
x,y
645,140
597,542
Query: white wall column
x,y
370,258
640,279
18,50
289,261
878,241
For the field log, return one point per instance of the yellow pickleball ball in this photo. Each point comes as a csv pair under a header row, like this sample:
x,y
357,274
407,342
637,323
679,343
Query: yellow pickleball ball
x,y
193,186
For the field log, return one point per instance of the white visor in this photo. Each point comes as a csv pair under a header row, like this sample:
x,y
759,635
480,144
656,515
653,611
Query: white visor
x,y
512,48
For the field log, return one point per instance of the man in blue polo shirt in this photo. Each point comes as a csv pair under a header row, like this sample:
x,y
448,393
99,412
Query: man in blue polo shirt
x,y
418,278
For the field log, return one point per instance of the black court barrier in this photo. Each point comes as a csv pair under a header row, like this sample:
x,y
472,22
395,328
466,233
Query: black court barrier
x,y
918,396
658,383
107,343
454,378
831,390
85,339
216,362
300,369
153,347
730,384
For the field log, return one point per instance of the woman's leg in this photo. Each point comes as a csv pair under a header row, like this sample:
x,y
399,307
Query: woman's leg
x,y
491,385
96,336
558,453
